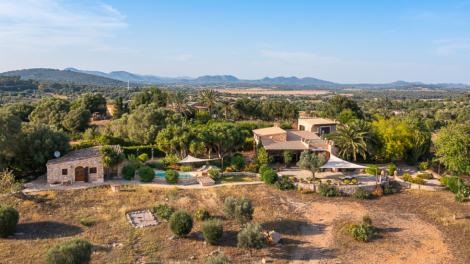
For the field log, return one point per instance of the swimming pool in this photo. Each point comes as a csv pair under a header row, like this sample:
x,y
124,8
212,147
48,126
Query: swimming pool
x,y
182,175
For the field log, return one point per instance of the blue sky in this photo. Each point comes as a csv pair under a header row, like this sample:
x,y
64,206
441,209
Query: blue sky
x,y
339,41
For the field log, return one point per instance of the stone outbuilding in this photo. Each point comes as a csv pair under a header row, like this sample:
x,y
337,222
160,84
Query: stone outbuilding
x,y
84,165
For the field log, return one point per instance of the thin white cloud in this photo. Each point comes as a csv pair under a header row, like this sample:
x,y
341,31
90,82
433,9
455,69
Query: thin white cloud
x,y
390,31
182,57
43,25
297,57
452,46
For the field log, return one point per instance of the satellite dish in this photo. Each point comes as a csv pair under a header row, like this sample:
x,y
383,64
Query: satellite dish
x,y
57,154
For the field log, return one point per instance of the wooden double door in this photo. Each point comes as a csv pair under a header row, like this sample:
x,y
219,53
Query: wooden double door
x,y
81,174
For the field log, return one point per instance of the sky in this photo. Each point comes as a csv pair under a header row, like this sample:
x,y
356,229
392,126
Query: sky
x,y
338,41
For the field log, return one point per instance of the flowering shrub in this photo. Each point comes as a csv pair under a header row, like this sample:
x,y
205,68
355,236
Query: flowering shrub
x,y
418,180
425,176
354,181
186,168
377,192
346,181
407,177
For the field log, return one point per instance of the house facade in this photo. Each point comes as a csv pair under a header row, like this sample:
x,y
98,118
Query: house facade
x,y
317,125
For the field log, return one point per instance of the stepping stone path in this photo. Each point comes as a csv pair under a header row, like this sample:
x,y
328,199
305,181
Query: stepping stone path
x,y
141,219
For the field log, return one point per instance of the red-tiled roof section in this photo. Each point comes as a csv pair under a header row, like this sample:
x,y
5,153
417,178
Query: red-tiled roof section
x,y
269,131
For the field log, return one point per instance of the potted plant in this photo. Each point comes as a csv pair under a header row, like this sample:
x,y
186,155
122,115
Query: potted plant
x,y
346,182
293,178
328,182
353,181
301,180
309,180
319,181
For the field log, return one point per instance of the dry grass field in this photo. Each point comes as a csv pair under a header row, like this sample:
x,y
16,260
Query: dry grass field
x,y
415,226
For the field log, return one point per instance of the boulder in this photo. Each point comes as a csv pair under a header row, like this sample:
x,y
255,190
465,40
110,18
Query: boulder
x,y
274,237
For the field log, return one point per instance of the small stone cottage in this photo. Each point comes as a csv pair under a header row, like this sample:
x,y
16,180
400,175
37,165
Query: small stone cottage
x,y
84,165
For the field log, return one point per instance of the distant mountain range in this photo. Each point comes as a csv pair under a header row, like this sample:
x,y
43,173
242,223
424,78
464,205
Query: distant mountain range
x,y
120,78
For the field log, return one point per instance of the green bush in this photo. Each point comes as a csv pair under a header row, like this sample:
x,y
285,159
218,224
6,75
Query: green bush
x,y
419,181
423,166
263,168
135,161
181,223
443,180
171,176
453,182
146,174
128,172
251,237
8,220
186,168
214,174
72,251
202,214
362,194
156,165
367,220
361,232
284,184
220,258
391,169
329,191
239,209
425,176
143,149
249,144
237,163
371,169
389,190
212,230
407,177
162,211
459,197
285,176
269,177
144,157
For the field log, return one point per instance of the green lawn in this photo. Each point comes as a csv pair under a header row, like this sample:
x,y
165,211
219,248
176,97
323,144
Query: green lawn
x,y
235,178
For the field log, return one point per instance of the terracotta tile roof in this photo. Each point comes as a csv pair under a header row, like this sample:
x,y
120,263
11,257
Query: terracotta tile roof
x,y
81,154
268,131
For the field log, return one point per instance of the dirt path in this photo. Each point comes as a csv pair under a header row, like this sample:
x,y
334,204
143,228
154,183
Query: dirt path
x,y
406,239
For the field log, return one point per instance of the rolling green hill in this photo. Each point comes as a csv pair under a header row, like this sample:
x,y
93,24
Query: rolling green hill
x,y
58,76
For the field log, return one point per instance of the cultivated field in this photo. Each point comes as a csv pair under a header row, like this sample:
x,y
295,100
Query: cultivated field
x,y
416,227
272,92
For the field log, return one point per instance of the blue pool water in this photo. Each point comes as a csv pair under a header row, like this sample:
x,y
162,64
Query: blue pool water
x,y
182,175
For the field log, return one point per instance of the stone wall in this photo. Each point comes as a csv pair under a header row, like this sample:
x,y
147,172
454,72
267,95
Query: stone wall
x,y
347,189
240,173
415,186
54,171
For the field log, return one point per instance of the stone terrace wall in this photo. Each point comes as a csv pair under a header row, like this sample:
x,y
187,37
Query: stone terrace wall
x,y
347,189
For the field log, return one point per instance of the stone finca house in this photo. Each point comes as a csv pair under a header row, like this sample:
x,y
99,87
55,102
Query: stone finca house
x,y
84,165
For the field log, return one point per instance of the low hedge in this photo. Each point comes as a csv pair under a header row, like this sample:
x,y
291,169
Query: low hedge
x,y
144,149
373,169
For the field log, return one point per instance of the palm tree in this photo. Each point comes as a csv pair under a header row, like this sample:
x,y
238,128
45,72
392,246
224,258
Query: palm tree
x,y
179,104
208,97
353,139
226,103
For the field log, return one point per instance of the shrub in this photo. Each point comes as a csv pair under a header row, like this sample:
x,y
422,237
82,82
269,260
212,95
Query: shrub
x,y
419,181
239,209
135,161
214,174
162,211
293,178
181,223
128,172
202,214
425,176
407,177
389,190
251,237
252,167
284,184
263,168
459,197
146,174
453,182
444,180
186,168
346,181
361,232
329,191
301,179
72,251
212,230
156,165
377,192
391,169
8,220
285,176
171,176
144,157
228,169
220,258
354,181
237,163
270,177
465,191
249,144
371,169
367,220
328,181
362,194
423,166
